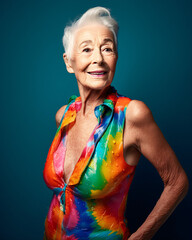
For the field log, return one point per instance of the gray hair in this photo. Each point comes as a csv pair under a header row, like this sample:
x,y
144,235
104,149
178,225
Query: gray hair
x,y
99,15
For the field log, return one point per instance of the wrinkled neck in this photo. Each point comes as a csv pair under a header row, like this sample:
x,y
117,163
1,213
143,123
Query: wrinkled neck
x,y
90,99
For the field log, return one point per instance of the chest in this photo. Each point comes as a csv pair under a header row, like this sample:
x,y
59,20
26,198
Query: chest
x,y
78,135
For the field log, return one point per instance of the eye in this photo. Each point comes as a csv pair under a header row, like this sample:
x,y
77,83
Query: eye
x,y
108,49
87,50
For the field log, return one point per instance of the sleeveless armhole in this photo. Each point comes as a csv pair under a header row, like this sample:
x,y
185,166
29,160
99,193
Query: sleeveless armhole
x,y
125,103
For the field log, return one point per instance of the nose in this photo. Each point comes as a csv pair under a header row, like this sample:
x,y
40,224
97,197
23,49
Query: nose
x,y
97,56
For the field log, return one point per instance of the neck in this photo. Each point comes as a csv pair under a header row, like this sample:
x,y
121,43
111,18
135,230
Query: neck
x,y
90,98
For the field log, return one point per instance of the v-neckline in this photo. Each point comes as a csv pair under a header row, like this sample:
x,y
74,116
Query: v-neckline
x,y
105,110
81,154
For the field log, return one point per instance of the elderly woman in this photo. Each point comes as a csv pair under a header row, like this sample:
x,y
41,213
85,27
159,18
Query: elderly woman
x,y
98,143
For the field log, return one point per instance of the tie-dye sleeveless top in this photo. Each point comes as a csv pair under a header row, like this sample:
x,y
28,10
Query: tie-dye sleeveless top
x,y
92,204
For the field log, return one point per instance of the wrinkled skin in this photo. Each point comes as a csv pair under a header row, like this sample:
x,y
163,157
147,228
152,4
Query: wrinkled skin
x,y
95,50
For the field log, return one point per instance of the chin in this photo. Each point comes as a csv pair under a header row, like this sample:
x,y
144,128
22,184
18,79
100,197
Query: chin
x,y
99,85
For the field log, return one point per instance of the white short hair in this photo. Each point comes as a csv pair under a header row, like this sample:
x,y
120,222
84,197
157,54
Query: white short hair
x,y
99,15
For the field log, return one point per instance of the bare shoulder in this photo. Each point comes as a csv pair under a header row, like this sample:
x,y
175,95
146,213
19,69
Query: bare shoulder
x,y
59,115
138,113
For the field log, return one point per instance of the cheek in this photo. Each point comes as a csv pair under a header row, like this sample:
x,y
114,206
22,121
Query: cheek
x,y
82,64
112,64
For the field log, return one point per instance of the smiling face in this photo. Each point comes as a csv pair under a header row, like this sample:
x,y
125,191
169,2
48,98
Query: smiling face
x,y
94,56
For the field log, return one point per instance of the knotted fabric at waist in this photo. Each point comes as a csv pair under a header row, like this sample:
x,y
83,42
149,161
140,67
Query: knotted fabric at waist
x,y
61,191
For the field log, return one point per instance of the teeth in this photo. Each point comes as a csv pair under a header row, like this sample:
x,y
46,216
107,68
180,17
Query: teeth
x,y
101,73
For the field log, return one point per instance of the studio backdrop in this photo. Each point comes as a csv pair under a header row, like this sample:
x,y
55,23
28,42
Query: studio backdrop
x,y
154,66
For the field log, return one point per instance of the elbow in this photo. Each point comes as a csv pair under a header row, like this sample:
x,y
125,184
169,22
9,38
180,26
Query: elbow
x,y
178,184
181,185
184,184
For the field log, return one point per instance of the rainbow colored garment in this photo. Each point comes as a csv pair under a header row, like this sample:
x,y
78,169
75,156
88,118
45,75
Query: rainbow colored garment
x,y
92,204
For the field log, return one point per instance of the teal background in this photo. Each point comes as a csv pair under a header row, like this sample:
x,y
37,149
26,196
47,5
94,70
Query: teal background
x,y
155,60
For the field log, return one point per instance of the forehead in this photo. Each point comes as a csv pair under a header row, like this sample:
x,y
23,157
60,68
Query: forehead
x,y
93,32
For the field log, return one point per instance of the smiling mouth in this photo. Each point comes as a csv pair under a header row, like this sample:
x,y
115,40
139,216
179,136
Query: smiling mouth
x,y
97,73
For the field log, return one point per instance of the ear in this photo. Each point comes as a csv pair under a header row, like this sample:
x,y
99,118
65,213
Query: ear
x,y
67,63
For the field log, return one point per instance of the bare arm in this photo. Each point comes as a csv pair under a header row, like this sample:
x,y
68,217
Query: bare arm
x,y
152,144
59,115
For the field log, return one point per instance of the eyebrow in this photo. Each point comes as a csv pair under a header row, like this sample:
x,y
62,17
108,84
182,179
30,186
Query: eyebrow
x,y
85,42
106,40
